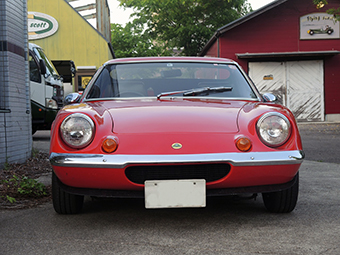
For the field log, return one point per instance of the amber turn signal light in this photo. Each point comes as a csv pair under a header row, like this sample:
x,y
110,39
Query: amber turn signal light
x,y
243,144
110,144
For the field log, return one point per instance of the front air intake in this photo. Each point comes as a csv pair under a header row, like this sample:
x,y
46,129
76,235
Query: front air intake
x,y
209,172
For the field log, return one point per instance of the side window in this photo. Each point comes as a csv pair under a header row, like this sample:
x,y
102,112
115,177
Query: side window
x,y
102,87
34,70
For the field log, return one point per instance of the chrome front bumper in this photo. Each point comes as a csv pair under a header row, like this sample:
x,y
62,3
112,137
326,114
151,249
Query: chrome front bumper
x,y
121,161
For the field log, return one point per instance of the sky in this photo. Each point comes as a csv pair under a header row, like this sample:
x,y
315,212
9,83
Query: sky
x,y
121,16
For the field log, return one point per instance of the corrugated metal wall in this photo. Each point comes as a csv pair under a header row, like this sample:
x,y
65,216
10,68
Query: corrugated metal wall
x,y
75,39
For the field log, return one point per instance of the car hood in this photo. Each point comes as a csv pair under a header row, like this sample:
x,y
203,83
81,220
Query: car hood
x,y
174,116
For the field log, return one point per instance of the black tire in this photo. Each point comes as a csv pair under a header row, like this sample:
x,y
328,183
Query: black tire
x,y
63,202
34,129
282,201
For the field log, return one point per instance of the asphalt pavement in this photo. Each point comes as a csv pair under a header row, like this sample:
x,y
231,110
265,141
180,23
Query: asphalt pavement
x,y
41,140
321,141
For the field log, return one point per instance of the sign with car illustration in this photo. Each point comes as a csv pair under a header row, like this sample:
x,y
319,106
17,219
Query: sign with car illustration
x,y
319,26
327,30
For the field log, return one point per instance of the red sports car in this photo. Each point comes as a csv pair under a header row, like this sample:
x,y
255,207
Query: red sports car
x,y
174,130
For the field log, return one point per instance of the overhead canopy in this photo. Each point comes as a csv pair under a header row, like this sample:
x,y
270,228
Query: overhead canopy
x,y
65,68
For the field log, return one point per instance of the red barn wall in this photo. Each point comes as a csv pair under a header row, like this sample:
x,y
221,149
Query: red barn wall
x,y
213,50
278,30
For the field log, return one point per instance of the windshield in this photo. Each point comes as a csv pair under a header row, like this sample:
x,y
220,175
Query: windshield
x,y
50,69
160,79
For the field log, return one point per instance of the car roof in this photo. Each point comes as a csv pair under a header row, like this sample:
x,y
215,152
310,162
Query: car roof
x,y
172,59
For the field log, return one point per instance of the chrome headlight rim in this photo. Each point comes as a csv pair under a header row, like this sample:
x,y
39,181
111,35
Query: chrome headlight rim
x,y
287,129
88,140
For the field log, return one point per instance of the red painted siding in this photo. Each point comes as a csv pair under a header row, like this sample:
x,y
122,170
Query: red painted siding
x,y
213,50
278,30
332,84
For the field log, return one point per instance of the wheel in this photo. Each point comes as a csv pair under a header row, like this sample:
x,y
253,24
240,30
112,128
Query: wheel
x,y
63,202
311,32
34,129
282,201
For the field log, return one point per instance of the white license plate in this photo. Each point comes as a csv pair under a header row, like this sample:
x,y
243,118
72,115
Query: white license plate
x,y
175,193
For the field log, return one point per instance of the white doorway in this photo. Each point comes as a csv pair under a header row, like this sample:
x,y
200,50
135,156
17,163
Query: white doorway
x,y
297,84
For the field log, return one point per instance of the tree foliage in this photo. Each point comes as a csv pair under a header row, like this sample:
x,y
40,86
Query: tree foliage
x,y
131,41
185,25
333,11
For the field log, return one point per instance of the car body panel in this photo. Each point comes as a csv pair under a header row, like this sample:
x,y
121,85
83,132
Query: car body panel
x,y
181,116
156,138
174,131
115,178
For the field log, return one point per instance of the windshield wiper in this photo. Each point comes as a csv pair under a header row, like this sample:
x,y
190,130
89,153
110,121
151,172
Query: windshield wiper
x,y
207,91
196,92
171,93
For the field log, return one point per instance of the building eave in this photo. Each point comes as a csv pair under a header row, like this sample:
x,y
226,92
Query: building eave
x,y
287,54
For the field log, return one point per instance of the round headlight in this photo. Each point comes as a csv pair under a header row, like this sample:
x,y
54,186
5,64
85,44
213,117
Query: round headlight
x,y
77,130
273,129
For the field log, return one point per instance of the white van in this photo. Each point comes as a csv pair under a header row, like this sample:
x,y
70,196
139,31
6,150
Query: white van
x,y
47,91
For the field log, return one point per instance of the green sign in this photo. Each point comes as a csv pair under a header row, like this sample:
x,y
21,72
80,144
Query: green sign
x,y
41,25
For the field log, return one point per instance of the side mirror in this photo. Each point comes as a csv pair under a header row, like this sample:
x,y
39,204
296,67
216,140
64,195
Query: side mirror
x,y
42,66
72,98
269,97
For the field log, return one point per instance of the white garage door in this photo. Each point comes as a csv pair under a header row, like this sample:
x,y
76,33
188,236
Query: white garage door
x,y
297,84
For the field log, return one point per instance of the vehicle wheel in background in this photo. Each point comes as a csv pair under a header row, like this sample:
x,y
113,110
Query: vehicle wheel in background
x,y
34,129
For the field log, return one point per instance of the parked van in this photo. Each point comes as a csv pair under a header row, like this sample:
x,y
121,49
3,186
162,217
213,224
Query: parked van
x,y
47,91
